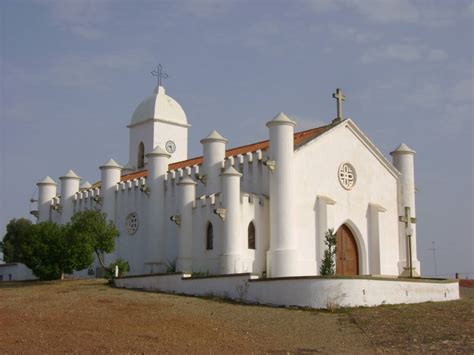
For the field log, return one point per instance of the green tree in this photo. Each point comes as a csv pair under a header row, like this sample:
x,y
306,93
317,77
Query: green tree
x,y
16,241
55,251
328,266
94,229
52,250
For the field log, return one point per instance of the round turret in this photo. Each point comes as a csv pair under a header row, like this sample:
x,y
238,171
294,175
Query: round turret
x,y
404,160
46,192
110,176
213,156
187,195
69,186
282,253
157,167
230,260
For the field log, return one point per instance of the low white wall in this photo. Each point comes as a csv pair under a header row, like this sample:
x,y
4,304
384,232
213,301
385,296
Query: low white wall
x,y
314,292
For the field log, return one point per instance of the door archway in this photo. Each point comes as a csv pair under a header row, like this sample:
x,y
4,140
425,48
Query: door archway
x,y
347,253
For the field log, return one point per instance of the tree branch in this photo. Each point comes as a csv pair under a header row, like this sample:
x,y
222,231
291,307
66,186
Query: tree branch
x,y
101,262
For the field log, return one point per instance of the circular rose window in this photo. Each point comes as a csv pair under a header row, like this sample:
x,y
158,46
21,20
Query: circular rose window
x,y
132,223
347,176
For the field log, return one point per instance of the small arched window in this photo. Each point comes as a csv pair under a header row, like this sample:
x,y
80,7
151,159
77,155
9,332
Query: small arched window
x,y
141,156
209,236
251,236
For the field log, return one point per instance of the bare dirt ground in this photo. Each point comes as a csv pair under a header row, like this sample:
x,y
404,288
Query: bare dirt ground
x,y
91,317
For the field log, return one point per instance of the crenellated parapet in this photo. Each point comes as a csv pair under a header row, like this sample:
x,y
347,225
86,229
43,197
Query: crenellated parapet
x,y
87,199
233,191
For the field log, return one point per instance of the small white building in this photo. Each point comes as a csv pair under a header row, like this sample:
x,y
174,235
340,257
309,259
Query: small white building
x,y
15,272
263,208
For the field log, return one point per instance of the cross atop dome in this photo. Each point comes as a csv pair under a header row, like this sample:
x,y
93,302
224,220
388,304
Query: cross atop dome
x,y
160,75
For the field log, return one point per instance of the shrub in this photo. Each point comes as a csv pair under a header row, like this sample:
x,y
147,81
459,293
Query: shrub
x,y
328,265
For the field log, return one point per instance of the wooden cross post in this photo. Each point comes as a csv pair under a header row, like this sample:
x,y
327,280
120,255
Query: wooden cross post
x,y
408,220
339,98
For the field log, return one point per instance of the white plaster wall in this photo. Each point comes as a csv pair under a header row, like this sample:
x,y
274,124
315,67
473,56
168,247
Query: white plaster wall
x,y
55,217
255,174
15,272
206,260
163,132
304,292
171,229
321,293
316,174
153,133
253,208
140,133
132,247
316,167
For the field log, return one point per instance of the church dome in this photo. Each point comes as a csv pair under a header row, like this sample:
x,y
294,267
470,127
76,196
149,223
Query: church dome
x,y
159,106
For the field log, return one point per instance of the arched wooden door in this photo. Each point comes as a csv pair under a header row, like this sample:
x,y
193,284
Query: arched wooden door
x,y
347,254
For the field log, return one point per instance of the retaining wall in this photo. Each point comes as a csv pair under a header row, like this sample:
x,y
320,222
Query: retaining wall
x,y
309,291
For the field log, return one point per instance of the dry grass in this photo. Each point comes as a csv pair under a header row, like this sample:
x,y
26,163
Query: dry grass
x,y
89,316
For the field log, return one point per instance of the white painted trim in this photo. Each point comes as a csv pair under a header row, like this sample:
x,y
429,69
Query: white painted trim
x,y
371,147
349,124
159,120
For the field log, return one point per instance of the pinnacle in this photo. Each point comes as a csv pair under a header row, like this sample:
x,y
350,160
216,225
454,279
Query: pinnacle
x,y
111,164
281,119
214,136
158,152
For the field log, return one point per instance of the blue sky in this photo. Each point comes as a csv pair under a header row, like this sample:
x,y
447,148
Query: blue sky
x,y
72,72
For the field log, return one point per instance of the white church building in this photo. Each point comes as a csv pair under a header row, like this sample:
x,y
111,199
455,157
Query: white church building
x,y
262,209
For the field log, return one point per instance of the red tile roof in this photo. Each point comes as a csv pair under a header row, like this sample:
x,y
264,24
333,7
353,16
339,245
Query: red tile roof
x,y
300,138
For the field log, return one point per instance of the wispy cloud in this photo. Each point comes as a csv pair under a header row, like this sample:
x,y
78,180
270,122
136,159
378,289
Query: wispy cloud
x,y
385,11
405,52
206,8
260,34
393,11
304,123
84,18
95,71
342,32
452,105
322,6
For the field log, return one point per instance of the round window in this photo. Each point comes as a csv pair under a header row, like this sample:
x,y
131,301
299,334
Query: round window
x,y
347,176
132,223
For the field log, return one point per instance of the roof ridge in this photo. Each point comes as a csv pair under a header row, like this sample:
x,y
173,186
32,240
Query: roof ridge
x,y
261,145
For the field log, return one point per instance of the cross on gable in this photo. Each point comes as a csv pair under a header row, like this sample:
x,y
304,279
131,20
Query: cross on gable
x,y
408,220
339,98
160,75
